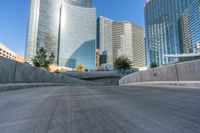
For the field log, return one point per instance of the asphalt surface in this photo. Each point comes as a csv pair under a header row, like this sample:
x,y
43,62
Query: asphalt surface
x,y
100,110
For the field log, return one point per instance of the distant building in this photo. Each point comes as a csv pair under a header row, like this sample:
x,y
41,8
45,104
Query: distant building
x,y
172,29
8,53
104,39
65,27
121,38
197,47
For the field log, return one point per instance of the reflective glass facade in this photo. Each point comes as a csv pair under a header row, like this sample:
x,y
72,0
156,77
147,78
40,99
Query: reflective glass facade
x,y
31,39
194,11
172,27
77,36
80,3
43,27
105,40
65,27
48,25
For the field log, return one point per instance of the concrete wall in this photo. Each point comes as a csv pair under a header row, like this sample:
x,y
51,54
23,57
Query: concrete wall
x,y
95,74
188,71
104,77
15,72
105,81
7,70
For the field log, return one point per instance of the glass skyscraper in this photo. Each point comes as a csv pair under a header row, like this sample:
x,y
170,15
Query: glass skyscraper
x,y
65,27
172,27
104,40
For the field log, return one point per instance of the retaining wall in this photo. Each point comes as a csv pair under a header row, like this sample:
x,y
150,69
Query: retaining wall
x,y
188,71
16,72
106,78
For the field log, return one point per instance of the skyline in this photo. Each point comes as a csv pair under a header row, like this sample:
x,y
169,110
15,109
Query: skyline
x,y
15,18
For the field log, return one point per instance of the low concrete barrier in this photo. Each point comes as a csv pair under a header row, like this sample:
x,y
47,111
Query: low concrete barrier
x,y
28,74
20,86
106,78
188,71
16,72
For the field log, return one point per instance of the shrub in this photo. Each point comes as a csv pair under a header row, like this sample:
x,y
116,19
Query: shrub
x,y
154,65
122,63
80,68
57,71
41,60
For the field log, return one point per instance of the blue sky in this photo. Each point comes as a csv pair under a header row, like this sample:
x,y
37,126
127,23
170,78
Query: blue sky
x,y
14,18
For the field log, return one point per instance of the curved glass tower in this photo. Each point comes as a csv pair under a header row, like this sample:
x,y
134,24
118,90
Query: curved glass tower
x,y
77,34
65,27
80,3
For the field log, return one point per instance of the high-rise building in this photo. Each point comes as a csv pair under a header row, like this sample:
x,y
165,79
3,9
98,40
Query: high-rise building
x,y
172,28
65,27
121,38
104,39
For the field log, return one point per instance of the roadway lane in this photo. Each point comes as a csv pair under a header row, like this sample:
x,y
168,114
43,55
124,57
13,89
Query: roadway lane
x,y
100,110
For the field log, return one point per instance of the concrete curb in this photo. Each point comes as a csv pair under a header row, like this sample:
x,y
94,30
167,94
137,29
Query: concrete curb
x,y
185,84
10,87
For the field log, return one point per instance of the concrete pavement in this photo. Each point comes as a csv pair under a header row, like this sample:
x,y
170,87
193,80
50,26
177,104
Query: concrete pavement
x,y
81,109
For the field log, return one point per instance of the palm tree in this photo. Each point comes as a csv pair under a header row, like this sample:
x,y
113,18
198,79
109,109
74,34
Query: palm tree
x,y
122,63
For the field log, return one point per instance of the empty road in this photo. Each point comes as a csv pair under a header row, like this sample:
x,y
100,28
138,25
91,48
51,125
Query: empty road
x,y
100,110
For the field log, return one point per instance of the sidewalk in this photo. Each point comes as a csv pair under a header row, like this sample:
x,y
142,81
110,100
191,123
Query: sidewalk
x,y
195,84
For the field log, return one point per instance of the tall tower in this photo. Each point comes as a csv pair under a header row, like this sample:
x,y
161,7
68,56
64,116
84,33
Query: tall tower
x,y
78,34
104,40
65,27
31,38
43,27
128,40
172,28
